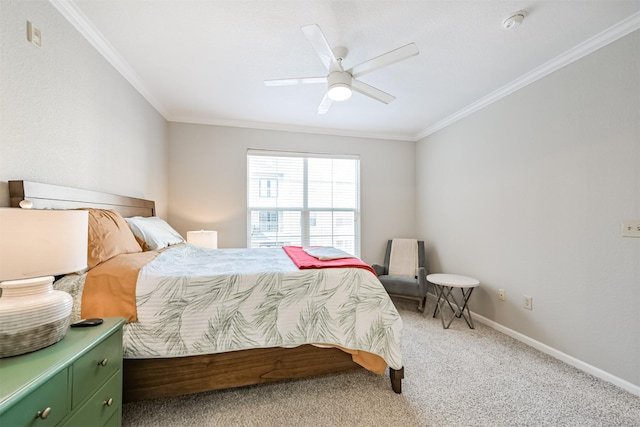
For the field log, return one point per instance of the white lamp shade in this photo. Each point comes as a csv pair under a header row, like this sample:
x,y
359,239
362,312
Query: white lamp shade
x,y
203,238
36,243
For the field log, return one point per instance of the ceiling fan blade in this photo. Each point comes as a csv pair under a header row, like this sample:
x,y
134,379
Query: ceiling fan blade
x,y
324,105
371,91
319,42
385,59
295,81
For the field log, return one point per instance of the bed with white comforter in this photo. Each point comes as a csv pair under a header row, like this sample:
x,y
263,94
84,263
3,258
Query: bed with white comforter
x,y
192,300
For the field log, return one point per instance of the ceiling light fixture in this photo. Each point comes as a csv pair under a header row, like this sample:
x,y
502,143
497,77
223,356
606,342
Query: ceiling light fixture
x,y
339,86
514,20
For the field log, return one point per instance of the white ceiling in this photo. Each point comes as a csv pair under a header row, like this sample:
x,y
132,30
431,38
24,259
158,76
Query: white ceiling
x,y
205,61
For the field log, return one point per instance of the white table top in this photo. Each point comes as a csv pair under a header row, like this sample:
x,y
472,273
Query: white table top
x,y
453,280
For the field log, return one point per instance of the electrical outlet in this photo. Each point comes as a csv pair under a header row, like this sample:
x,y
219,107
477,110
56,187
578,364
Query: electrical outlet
x,y
631,228
501,295
528,302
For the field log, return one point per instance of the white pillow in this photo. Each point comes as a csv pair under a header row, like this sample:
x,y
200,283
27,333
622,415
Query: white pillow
x,y
154,231
326,253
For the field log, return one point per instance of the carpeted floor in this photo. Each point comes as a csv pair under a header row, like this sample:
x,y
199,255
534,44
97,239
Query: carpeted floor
x,y
454,377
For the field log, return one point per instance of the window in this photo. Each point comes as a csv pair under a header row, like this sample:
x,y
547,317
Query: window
x,y
303,199
268,187
268,221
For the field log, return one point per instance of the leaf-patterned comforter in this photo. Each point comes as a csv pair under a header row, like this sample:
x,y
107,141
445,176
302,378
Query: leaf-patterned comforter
x,y
192,300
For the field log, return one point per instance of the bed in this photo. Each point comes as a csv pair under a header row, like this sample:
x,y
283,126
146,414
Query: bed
x,y
169,375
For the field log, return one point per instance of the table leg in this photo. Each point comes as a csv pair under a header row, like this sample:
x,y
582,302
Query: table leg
x,y
438,289
445,294
465,305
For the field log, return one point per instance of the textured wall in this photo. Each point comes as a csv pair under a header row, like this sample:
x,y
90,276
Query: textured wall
x,y
528,195
67,117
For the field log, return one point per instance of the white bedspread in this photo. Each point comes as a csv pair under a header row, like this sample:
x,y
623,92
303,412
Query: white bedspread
x,y
192,300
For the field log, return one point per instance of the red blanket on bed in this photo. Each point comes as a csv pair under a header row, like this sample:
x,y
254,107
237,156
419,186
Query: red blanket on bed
x,y
305,261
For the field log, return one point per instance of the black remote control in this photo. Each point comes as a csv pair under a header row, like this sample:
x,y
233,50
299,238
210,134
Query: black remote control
x,y
86,322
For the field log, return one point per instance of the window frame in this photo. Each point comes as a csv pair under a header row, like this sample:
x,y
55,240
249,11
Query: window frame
x,y
306,212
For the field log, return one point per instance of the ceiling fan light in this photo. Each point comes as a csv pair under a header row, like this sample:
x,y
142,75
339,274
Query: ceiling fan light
x,y
339,86
339,92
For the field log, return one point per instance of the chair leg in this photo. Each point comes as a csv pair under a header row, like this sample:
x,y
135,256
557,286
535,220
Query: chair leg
x,y
422,304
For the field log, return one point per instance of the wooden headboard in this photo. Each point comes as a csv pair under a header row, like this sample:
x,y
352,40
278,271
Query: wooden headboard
x,y
47,196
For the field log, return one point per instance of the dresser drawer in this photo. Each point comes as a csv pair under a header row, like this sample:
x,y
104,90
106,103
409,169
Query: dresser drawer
x,y
101,407
52,395
115,420
96,366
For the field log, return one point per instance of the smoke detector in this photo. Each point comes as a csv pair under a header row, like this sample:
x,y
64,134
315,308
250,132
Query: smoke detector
x,y
514,20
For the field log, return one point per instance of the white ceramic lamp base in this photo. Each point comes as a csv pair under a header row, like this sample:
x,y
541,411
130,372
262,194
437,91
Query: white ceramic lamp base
x,y
32,315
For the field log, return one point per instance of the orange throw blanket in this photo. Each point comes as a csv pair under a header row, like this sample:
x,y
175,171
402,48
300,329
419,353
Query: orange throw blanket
x,y
110,287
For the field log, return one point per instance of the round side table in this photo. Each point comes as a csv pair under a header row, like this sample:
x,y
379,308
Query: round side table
x,y
444,285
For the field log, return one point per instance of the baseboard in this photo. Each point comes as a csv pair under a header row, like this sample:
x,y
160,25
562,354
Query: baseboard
x,y
570,360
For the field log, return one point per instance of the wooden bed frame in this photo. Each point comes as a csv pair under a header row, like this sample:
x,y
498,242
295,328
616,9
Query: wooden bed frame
x,y
155,378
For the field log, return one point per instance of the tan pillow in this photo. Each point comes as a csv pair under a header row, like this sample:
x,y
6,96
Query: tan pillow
x,y
109,235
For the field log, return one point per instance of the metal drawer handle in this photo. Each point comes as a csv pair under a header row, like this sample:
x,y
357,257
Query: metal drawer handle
x,y
108,402
103,362
43,414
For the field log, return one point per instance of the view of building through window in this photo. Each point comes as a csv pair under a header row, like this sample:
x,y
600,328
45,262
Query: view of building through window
x,y
304,200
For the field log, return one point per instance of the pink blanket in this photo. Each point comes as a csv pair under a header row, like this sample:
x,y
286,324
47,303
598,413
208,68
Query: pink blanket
x,y
305,261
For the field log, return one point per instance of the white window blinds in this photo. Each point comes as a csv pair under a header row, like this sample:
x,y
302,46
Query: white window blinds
x,y
303,199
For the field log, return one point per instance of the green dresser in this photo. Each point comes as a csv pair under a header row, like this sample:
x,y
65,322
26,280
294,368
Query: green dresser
x,y
75,382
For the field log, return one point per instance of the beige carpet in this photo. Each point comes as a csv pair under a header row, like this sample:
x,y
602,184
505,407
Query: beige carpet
x,y
454,377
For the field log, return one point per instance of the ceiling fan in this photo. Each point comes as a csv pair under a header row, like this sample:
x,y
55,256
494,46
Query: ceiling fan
x,y
341,82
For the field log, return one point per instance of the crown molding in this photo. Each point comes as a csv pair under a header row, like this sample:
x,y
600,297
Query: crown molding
x,y
74,15
79,20
613,33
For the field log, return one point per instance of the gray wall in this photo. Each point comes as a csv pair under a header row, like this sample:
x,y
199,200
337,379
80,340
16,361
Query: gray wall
x,y
67,117
528,195
208,185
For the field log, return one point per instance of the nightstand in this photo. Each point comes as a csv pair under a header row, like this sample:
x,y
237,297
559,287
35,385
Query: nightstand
x,y
75,382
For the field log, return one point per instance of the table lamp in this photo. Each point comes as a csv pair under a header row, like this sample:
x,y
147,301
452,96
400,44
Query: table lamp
x,y
36,245
203,238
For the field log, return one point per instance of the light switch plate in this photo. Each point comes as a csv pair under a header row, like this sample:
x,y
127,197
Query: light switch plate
x,y
33,34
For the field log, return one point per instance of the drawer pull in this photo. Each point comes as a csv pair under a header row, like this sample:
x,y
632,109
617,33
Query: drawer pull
x,y
43,414
108,402
103,362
